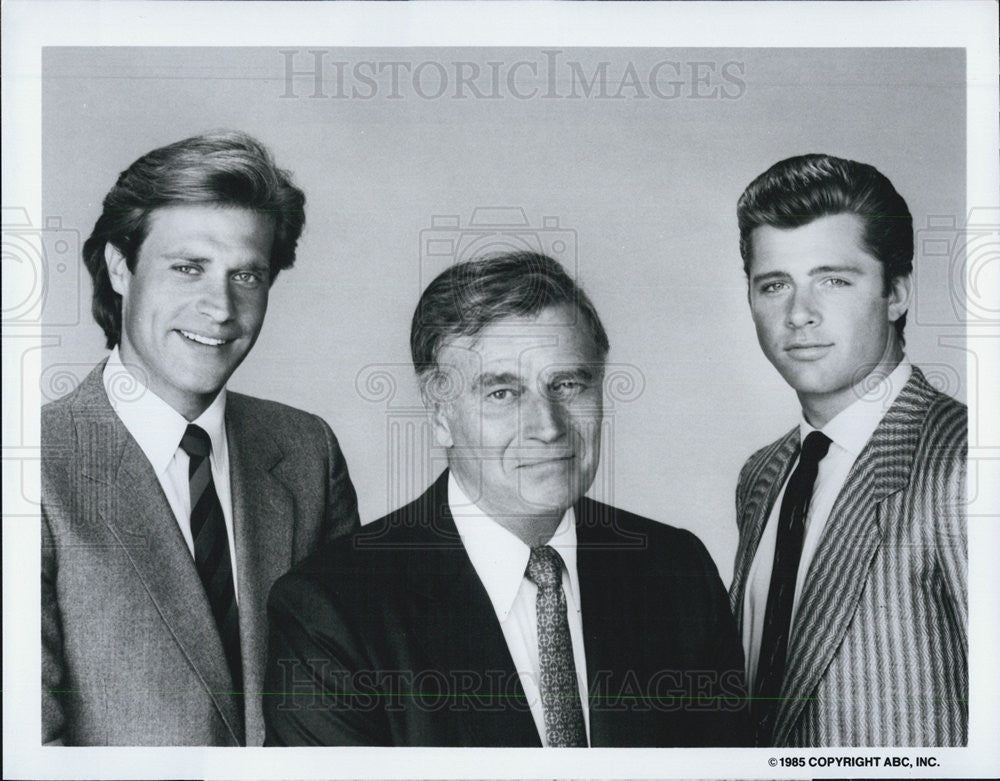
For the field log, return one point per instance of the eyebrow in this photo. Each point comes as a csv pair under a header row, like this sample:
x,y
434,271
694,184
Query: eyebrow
x,y
185,254
575,373
193,256
842,269
490,379
255,266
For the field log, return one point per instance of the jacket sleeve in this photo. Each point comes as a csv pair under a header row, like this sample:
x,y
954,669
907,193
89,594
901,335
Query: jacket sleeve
x,y
53,673
318,686
727,659
741,491
342,501
948,474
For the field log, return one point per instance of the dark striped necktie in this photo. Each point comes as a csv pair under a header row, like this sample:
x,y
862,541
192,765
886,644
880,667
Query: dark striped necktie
x,y
557,683
211,547
781,594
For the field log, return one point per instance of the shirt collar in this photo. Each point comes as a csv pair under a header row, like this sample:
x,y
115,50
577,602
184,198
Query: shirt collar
x,y
499,557
155,425
853,426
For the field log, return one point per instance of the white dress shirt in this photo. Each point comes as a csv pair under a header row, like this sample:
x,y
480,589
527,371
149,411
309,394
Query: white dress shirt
x,y
158,428
500,559
849,432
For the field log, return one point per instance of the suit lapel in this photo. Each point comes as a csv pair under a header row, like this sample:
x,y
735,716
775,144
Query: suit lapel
x,y
453,619
131,502
610,631
771,474
853,533
263,520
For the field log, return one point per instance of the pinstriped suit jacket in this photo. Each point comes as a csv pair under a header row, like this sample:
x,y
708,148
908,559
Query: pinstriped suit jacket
x,y
878,654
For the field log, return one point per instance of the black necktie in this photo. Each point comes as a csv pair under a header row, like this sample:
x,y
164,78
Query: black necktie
x,y
211,547
557,681
778,614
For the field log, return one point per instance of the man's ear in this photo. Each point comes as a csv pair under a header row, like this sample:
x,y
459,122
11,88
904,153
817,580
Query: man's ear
x,y
899,293
118,271
437,408
441,425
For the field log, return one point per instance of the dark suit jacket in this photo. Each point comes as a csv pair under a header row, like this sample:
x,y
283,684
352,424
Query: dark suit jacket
x,y
389,638
878,654
130,651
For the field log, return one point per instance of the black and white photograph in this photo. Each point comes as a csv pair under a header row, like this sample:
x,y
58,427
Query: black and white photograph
x,y
446,377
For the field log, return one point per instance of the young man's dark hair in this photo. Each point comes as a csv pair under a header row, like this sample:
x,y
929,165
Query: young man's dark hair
x,y
796,191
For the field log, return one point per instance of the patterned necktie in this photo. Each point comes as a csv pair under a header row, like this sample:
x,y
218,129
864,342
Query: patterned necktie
x,y
560,693
211,547
780,596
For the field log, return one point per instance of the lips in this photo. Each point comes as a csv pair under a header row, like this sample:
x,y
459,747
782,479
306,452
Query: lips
x,y
203,339
809,351
545,461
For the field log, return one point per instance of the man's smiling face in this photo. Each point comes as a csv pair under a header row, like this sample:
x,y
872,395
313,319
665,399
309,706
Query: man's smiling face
x,y
194,305
523,428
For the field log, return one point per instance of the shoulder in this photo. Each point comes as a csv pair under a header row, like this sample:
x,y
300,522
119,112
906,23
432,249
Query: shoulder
x,y
303,431
369,560
946,422
770,452
374,549
57,417
88,394
80,434
271,413
942,439
88,401
606,528
595,517
628,553
766,462
59,445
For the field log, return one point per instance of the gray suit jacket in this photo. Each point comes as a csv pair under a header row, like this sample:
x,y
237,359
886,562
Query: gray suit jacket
x,y
878,654
130,651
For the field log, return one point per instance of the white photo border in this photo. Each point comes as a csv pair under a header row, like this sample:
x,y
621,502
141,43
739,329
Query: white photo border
x,y
30,26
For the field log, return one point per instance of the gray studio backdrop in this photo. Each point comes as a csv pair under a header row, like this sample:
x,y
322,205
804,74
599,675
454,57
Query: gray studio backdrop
x,y
624,163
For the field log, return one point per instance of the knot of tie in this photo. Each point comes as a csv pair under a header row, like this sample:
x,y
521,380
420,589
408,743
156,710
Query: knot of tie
x,y
545,567
815,447
196,442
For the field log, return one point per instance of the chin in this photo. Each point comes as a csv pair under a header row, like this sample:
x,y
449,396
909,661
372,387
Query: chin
x,y
205,386
804,381
552,501
818,389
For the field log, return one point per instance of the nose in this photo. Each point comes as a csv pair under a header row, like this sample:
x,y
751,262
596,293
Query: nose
x,y
543,418
216,300
802,310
